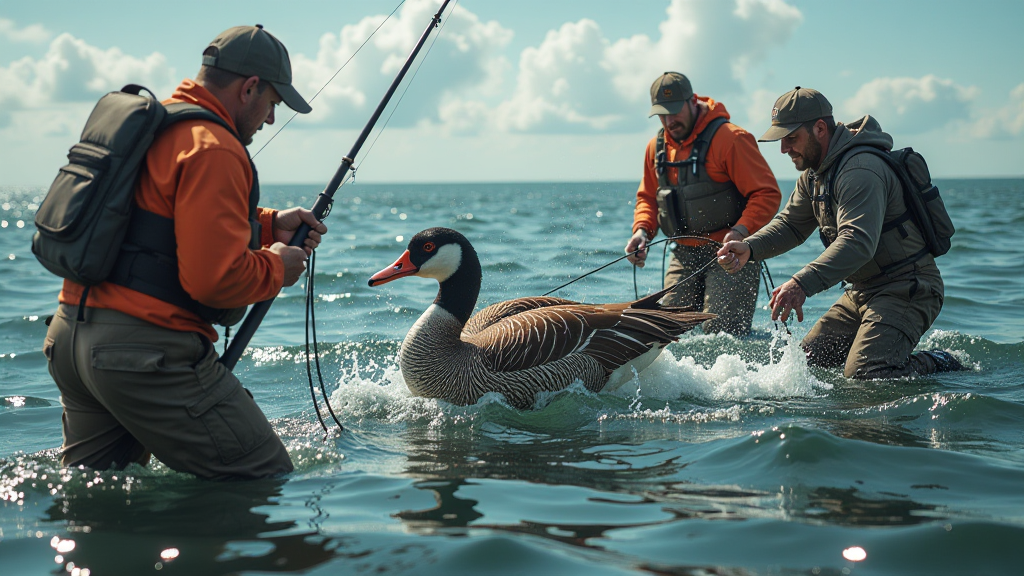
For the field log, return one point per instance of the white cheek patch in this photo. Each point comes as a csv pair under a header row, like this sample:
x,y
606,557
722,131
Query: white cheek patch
x,y
443,264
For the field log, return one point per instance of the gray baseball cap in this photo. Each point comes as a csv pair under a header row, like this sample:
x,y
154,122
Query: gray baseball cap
x,y
792,109
669,93
252,51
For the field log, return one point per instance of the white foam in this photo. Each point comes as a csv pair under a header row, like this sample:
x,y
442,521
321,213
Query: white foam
x,y
729,378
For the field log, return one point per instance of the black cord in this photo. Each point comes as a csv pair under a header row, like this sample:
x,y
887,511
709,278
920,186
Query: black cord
x,y
309,369
316,349
633,253
766,275
311,328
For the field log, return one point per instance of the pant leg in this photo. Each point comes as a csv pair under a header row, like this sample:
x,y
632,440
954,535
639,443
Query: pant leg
x,y
830,339
733,297
93,437
894,320
168,391
689,294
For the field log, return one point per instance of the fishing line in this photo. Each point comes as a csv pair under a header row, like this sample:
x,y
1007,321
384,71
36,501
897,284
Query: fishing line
x,y
331,79
311,328
408,84
766,274
634,253
310,293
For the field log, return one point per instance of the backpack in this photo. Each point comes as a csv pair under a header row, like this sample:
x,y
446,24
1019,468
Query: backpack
x,y
82,222
924,205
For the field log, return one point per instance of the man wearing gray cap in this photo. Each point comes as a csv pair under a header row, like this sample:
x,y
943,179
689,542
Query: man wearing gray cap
x,y
704,178
133,356
893,288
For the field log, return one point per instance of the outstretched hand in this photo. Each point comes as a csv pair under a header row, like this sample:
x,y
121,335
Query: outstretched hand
x,y
286,222
787,297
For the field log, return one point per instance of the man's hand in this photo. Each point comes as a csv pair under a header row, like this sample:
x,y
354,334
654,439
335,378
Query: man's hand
x,y
637,242
294,259
286,222
733,256
789,296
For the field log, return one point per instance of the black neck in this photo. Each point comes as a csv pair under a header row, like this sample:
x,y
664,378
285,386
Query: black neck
x,y
459,292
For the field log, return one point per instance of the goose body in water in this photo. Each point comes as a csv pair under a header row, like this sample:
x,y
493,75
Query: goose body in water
x,y
524,346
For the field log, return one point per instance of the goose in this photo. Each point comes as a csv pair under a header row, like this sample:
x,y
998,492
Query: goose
x,y
524,346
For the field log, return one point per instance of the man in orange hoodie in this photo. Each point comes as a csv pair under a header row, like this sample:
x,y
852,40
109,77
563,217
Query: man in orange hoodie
x,y
704,178
133,356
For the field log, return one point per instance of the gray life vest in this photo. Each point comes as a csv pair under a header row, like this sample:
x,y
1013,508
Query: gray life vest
x,y
88,227
695,204
903,240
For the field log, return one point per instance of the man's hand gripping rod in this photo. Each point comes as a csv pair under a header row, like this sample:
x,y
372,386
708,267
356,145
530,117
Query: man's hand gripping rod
x,y
323,202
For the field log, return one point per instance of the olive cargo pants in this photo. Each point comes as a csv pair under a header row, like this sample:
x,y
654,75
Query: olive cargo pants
x,y
130,388
872,333
733,297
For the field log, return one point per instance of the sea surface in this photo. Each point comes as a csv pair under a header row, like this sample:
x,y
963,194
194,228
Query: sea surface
x,y
726,457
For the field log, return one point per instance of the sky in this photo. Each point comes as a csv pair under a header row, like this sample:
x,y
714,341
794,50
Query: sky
x,y
530,90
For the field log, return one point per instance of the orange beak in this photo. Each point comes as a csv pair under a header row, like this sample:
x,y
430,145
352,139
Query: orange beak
x,y
401,268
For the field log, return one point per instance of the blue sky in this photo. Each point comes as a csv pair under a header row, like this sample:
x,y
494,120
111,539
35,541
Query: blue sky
x,y
534,90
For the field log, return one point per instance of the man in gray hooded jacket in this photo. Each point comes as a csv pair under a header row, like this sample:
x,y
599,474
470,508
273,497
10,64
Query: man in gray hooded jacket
x,y
892,295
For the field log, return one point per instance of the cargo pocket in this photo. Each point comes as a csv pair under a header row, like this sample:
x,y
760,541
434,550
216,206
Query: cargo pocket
x,y
127,357
48,349
235,423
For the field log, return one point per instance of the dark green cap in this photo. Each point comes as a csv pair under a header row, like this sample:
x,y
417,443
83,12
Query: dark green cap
x,y
792,109
669,94
252,51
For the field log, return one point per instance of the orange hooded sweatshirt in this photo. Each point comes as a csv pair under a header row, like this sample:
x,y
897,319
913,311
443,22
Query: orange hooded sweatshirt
x,y
197,173
733,156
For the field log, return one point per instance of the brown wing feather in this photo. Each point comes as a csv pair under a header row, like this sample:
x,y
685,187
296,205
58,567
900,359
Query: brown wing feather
x,y
612,334
496,312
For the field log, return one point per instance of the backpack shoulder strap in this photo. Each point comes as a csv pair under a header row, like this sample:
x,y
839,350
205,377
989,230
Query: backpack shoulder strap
x,y
180,111
703,142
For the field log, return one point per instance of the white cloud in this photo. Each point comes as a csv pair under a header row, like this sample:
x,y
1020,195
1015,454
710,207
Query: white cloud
x,y
72,71
465,58
1004,122
911,105
577,80
32,34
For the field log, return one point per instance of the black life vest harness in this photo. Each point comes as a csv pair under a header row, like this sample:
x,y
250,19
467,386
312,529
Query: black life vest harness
x,y
148,261
695,204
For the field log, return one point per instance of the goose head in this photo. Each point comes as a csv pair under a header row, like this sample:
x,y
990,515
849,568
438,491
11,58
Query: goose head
x,y
446,256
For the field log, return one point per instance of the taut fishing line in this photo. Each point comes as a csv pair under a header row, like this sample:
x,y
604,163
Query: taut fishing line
x,y
331,79
766,274
310,270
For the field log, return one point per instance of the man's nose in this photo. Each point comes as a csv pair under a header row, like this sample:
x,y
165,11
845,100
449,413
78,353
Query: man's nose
x,y
270,117
784,148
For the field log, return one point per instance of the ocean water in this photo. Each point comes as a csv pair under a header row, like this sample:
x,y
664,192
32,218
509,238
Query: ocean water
x,y
727,456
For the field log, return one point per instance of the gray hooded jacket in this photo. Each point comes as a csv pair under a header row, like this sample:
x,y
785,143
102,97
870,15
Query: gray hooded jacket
x,y
867,194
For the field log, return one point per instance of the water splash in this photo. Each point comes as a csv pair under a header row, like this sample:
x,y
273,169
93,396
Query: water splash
x,y
729,378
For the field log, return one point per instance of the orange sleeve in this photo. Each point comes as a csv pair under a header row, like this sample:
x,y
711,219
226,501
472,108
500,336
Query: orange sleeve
x,y
215,264
266,216
734,156
645,213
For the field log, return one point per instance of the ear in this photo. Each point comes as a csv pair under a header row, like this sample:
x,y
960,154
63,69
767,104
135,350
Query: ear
x,y
821,130
248,89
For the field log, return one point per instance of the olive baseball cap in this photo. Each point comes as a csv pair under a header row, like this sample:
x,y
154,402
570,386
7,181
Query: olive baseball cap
x,y
792,109
252,51
669,93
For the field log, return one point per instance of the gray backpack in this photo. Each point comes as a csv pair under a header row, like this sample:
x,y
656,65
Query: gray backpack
x,y
82,222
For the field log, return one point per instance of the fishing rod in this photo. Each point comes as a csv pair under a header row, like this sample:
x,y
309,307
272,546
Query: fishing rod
x,y
323,203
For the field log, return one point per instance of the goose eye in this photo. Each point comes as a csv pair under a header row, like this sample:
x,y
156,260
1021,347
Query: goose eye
x,y
429,247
